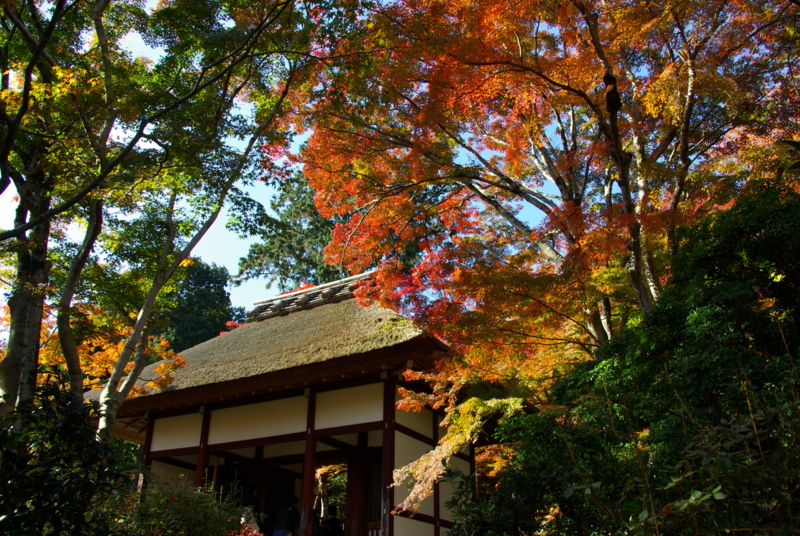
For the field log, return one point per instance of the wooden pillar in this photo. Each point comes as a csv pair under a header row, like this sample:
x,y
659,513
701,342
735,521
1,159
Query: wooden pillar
x,y
146,460
262,477
473,469
357,484
148,440
387,461
202,453
309,469
437,514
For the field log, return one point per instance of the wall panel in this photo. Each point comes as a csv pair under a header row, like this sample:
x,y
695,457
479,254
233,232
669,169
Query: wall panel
x,y
406,450
353,405
404,526
419,421
264,419
169,474
177,432
446,490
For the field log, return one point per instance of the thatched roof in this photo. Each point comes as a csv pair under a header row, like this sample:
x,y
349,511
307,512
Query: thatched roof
x,y
302,338
319,334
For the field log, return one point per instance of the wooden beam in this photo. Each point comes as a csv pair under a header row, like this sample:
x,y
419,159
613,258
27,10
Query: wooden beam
x,y
233,457
202,453
327,456
422,438
247,443
387,462
426,519
169,453
349,429
420,349
309,469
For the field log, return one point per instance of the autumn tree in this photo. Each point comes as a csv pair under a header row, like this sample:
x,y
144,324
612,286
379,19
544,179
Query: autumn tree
x,y
90,131
686,423
541,156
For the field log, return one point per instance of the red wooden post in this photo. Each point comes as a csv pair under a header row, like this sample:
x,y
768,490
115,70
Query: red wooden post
x,y
437,515
309,469
202,454
387,461
357,483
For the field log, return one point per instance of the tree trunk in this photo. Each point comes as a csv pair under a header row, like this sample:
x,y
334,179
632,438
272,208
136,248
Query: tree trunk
x,y
594,323
111,399
18,370
65,336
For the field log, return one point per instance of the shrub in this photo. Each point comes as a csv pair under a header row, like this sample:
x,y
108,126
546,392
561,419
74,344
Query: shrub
x,y
53,471
687,423
177,508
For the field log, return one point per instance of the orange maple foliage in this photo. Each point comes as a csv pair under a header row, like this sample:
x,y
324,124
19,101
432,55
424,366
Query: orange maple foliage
x,y
518,171
101,341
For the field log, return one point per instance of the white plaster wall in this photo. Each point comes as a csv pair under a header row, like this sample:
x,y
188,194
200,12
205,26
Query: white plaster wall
x,y
177,432
420,421
404,526
264,419
249,452
167,474
446,490
352,405
406,450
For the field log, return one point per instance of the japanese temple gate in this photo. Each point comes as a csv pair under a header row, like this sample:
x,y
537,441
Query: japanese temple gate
x,y
241,412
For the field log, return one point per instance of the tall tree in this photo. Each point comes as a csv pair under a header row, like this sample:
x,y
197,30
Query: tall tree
x,y
199,308
541,154
291,242
137,140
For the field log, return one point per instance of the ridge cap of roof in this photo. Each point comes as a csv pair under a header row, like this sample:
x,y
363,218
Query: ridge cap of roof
x,y
304,299
296,293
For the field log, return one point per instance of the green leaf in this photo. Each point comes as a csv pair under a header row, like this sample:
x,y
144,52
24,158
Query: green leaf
x,y
719,496
643,515
724,463
568,493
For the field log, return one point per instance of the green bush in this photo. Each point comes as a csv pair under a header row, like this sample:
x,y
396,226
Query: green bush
x,y
57,479
685,424
179,509
53,471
